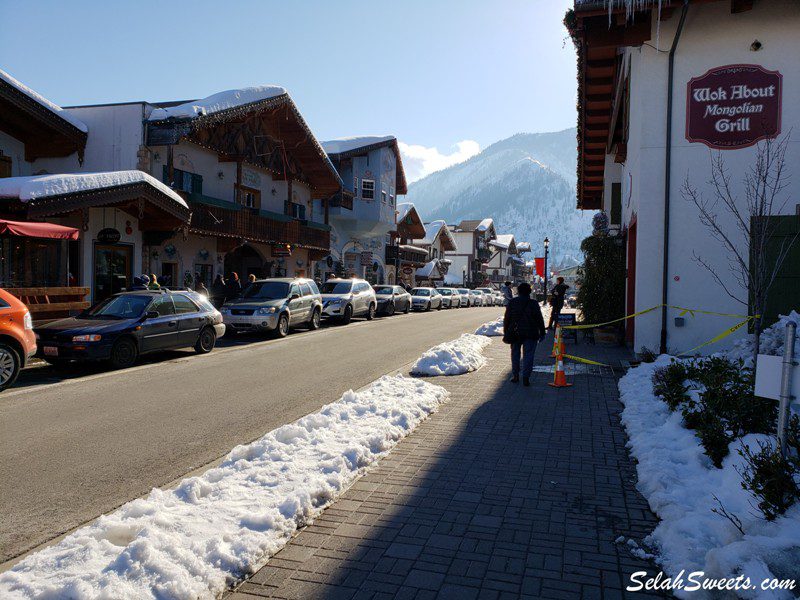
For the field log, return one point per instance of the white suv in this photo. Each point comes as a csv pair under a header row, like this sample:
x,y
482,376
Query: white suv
x,y
344,299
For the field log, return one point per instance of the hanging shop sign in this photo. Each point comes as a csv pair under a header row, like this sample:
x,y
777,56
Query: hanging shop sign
x,y
282,250
733,106
408,270
109,235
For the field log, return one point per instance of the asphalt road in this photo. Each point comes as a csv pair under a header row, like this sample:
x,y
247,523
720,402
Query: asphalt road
x,y
74,445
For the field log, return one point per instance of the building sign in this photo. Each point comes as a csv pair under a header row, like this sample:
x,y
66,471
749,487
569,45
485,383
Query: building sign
x,y
251,178
408,270
733,106
109,235
366,259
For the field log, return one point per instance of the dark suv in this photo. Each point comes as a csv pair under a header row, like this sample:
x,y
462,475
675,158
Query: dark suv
x,y
274,305
122,327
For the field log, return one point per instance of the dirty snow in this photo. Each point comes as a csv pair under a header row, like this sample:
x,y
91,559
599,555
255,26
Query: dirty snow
x,y
772,339
453,358
347,144
77,123
679,482
42,186
491,328
193,541
218,102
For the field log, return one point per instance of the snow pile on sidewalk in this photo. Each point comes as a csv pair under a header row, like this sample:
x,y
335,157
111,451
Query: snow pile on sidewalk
x,y
453,358
772,339
193,541
491,329
680,482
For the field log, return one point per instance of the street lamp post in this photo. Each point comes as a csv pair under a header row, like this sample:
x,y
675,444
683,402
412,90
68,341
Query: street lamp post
x,y
546,254
464,277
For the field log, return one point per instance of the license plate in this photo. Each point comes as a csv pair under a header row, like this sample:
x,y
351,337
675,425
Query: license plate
x,y
50,351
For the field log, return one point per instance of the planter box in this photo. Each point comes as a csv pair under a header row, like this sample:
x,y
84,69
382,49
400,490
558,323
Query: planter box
x,y
607,336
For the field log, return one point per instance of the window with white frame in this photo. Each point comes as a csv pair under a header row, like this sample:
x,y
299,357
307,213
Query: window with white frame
x,y
383,197
391,200
368,189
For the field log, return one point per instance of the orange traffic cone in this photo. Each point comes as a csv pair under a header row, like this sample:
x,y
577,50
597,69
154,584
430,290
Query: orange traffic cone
x,y
560,379
558,343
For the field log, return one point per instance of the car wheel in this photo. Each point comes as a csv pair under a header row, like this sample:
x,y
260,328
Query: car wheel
x,y
124,353
390,309
428,307
408,308
282,330
441,305
316,317
9,366
206,341
348,314
371,312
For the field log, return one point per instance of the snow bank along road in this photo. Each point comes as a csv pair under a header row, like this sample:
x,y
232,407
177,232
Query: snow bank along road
x,y
72,451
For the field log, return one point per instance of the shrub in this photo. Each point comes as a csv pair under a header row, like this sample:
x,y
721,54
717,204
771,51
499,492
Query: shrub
x,y
646,355
670,384
601,291
772,479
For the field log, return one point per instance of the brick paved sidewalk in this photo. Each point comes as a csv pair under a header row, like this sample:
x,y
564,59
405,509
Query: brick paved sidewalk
x,y
506,492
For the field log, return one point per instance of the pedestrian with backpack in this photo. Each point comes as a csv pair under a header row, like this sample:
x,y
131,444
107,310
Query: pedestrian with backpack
x,y
523,328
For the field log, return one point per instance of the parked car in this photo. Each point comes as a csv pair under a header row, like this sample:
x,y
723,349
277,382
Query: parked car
x,y
450,298
123,327
477,298
392,299
17,340
499,299
466,297
343,299
275,305
426,298
488,295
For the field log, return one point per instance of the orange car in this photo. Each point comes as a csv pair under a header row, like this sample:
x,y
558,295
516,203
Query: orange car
x,y
17,340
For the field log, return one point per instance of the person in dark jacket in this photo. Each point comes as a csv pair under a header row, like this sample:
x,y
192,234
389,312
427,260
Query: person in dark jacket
x,y
233,289
523,328
557,300
218,290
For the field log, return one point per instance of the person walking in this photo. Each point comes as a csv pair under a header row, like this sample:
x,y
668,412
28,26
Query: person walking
x,y
218,291
233,289
508,293
557,301
523,328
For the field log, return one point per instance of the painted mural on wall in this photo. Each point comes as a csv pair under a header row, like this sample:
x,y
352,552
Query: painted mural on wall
x,y
733,106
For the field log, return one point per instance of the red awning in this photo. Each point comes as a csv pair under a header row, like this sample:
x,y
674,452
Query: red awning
x,y
38,230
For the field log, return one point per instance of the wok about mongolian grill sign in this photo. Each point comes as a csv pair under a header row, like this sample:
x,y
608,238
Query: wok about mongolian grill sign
x,y
733,106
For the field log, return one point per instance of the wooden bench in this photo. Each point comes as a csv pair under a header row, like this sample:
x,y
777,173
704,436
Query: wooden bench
x,y
51,303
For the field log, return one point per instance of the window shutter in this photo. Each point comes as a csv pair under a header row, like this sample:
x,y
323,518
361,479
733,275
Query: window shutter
x,y
197,183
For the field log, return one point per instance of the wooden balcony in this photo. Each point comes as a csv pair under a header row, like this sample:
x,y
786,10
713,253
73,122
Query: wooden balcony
x,y
212,216
408,254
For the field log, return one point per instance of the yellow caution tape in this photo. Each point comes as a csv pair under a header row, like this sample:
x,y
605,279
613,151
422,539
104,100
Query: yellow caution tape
x,y
585,360
684,311
719,337
588,326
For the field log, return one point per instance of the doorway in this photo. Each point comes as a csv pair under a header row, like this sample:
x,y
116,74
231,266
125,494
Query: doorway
x,y
169,274
245,261
113,264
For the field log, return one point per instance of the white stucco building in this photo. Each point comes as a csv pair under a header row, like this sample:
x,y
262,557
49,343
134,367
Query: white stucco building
x,y
662,94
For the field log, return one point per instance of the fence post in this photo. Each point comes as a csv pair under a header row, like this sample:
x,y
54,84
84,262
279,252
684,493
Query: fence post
x,y
786,385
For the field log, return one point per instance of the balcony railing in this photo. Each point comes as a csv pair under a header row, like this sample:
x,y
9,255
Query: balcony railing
x,y
211,216
408,254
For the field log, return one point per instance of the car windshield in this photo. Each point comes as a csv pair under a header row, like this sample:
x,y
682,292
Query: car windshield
x,y
126,306
337,287
475,293
420,292
445,292
464,291
383,289
267,290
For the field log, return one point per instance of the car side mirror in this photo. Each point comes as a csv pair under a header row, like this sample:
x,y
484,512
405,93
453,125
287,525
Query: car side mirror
x,y
294,296
151,314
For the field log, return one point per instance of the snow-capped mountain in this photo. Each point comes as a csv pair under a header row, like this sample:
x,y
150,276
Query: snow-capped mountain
x,y
526,183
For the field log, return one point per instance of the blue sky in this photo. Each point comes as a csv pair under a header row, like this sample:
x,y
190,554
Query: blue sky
x,y
447,77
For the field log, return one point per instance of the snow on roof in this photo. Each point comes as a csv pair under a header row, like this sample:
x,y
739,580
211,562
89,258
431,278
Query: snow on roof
x,y
523,246
485,224
347,144
42,186
54,108
403,208
427,270
504,240
218,102
432,230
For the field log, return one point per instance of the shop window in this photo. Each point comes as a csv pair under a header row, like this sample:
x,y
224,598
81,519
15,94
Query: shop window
x,y
248,197
33,262
169,274
367,189
191,183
